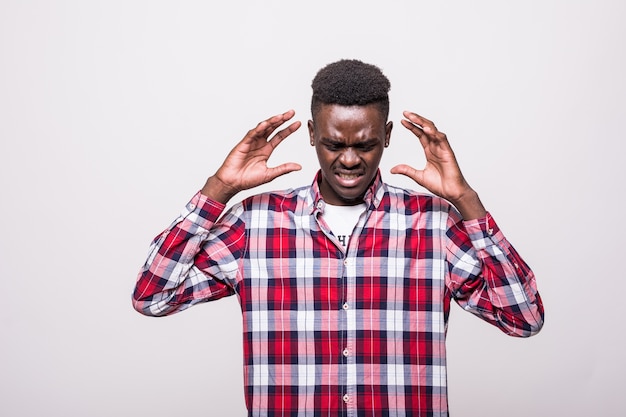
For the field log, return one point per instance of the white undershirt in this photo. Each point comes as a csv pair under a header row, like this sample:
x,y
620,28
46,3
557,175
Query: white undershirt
x,y
342,219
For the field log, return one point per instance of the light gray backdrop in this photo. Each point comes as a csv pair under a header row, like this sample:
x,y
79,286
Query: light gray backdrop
x,y
113,113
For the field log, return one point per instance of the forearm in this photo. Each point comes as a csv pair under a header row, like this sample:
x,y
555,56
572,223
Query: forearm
x,y
170,280
499,287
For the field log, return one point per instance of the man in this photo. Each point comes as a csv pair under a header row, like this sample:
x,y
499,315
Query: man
x,y
345,285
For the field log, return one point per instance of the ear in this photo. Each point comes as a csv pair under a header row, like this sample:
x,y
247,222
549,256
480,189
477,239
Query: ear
x,y
311,132
388,128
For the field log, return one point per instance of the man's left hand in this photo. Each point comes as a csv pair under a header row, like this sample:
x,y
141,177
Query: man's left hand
x,y
442,175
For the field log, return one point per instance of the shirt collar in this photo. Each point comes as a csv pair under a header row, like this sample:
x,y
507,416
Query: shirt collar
x,y
373,195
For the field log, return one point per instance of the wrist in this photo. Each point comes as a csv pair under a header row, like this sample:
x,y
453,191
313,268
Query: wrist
x,y
217,190
470,206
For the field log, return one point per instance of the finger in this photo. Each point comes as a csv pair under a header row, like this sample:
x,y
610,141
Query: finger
x,y
427,126
286,168
417,119
283,134
415,128
275,121
265,128
406,170
417,131
427,133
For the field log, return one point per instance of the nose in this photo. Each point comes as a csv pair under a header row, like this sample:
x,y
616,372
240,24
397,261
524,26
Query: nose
x,y
349,158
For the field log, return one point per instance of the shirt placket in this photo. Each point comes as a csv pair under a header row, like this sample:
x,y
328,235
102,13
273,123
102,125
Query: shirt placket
x,y
347,395
347,325
349,316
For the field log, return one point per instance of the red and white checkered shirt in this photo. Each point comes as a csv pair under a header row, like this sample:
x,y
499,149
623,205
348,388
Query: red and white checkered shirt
x,y
330,331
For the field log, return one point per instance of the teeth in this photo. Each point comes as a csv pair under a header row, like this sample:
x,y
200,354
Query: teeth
x,y
349,176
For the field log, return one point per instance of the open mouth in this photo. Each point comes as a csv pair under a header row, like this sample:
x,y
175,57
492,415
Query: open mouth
x,y
349,176
348,179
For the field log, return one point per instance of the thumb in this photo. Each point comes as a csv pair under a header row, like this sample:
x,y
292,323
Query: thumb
x,y
283,169
406,170
403,169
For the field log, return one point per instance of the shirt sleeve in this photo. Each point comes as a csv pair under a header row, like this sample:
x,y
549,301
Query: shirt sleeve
x,y
190,262
488,278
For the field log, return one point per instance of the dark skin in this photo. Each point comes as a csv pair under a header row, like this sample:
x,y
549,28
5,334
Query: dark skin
x,y
349,141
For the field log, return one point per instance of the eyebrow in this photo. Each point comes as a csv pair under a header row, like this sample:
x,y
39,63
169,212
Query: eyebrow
x,y
366,142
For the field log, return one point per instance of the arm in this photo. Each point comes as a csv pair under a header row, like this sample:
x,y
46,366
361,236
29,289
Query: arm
x,y
486,275
488,278
178,272
194,260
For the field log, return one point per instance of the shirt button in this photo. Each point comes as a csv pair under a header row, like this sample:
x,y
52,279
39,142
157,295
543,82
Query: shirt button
x,y
320,205
345,306
346,352
346,262
192,207
490,231
346,398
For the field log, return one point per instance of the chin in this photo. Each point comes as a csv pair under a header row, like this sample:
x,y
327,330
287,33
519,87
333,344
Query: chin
x,y
352,198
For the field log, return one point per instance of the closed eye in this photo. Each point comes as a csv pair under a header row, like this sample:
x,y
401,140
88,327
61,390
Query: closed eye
x,y
332,145
365,147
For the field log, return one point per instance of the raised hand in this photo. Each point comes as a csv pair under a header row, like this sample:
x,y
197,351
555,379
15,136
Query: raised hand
x,y
442,175
245,166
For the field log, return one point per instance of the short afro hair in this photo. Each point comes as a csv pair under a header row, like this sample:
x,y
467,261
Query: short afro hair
x,y
350,82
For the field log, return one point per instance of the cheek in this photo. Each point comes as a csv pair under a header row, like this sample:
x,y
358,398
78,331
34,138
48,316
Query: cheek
x,y
325,159
375,158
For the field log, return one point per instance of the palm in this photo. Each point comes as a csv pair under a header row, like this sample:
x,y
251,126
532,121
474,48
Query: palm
x,y
246,165
441,175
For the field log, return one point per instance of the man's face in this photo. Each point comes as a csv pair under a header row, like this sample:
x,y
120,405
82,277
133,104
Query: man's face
x,y
349,141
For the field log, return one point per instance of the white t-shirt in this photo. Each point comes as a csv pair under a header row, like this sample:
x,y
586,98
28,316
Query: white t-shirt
x,y
342,219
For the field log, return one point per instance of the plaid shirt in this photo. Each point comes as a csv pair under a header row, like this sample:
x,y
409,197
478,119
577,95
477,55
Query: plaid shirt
x,y
330,331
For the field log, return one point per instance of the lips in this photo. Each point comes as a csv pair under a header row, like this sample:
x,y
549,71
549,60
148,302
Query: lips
x,y
349,176
348,179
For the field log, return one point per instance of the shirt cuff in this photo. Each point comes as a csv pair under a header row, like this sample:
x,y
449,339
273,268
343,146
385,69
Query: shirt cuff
x,y
483,232
202,211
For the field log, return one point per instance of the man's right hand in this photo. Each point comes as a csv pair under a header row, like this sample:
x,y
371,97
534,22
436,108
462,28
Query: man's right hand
x,y
245,166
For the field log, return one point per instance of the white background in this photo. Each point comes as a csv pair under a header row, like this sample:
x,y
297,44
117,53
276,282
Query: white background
x,y
113,113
